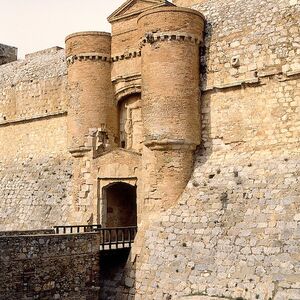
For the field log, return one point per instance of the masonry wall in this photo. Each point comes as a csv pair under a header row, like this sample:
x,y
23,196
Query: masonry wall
x,y
7,54
33,87
35,170
234,233
49,267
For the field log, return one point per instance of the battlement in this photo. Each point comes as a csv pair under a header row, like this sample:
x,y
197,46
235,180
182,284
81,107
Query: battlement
x,y
8,54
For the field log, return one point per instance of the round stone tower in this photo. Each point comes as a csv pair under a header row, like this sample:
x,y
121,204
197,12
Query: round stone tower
x,y
170,38
91,93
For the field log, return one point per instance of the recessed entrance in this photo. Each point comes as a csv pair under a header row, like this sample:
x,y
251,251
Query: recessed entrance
x,y
121,205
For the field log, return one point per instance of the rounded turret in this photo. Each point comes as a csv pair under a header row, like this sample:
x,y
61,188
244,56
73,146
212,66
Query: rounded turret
x,y
170,38
91,93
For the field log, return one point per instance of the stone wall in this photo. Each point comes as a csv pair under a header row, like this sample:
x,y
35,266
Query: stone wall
x,y
35,171
27,232
49,267
234,233
34,192
7,54
187,3
33,87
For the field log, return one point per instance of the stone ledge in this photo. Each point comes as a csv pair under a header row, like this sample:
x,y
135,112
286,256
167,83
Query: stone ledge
x,y
238,83
151,38
198,297
129,55
88,56
33,118
280,76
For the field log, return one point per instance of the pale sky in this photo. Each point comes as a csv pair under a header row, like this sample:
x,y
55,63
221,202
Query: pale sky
x,y
32,25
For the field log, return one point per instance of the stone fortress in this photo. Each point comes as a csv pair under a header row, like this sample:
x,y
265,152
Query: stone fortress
x,y
184,121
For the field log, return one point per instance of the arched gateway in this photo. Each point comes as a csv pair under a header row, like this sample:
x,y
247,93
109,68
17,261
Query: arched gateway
x,y
120,202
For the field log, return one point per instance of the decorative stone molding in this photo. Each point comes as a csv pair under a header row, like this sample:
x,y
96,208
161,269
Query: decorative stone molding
x,y
126,78
152,37
278,75
127,55
127,85
88,56
79,152
293,73
128,90
102,57
169,144
233,84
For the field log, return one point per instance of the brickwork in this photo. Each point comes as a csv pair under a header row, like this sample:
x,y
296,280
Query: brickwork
x,y
89,76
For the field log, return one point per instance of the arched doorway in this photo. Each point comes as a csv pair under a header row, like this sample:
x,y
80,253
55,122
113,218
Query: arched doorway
x,y
121,205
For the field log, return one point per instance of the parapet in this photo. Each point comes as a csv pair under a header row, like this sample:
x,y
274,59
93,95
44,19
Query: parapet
x,y
8,54
170,19
88,43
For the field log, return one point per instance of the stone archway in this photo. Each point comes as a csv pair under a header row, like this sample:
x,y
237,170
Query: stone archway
x,y
121,205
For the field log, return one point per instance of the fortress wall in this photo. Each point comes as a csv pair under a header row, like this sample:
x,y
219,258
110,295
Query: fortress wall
x,y
263,116
34,86
7,54
34,168
262,35
235,231
35,174
35,192
50,266
36,137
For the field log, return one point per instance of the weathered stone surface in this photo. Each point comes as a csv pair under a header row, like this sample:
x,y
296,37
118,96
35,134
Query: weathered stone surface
x,y
227,228
7,54
34,169
49,267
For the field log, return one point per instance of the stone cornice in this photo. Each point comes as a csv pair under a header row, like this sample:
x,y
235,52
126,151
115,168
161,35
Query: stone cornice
x,y
126,55
170,144
151,38
88,56
102,57
254,81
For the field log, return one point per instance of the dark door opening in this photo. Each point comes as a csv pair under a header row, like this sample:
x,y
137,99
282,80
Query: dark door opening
x,y
121,205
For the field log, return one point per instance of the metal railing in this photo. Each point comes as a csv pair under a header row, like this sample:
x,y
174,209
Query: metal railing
x,y
76,229
117,237
110,237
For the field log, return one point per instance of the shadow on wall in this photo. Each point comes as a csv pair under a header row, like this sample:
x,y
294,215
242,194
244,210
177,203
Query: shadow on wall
x,y
117,275
117,270
204,150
